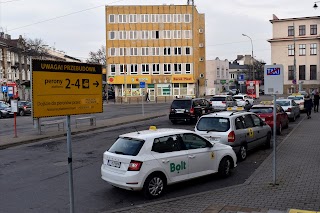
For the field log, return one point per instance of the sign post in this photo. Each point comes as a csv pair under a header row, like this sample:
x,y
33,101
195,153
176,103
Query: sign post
x,y
64,89
142,86
273,85
14,109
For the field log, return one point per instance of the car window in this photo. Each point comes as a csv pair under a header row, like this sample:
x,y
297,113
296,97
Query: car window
x,y
283,103
239,123
214,124
296,98
170,143
218,99
181,104
261,109
127,146
248,121
256,120
193,141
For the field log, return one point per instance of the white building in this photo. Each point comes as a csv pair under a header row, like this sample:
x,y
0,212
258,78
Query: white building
x,y
217,76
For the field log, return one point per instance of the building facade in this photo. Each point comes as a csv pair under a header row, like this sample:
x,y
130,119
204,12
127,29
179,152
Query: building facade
x,y
297,38
161,45
217,76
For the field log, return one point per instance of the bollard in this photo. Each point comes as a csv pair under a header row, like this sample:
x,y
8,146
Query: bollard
x,y
156,99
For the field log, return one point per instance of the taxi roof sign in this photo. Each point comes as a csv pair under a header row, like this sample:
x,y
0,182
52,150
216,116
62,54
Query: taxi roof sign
x,y
152,128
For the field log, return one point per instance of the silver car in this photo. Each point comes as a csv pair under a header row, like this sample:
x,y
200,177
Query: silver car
x,y
243,131
290,107
222,102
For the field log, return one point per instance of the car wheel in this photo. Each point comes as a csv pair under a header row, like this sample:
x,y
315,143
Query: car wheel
x,y
267,144
279,130
154,186
21,113
242,154
225,167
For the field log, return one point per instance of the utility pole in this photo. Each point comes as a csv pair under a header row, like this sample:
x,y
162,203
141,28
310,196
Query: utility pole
x,y
294,60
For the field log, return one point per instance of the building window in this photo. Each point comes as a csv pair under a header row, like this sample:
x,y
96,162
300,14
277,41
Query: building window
x,y
168,18
145,51
188,68
290,72
134,69
122,51
313,72
144,34
145,69
167,51
123,35
112,35
313,29
176,18
112,51
112,69
123,68
302,30
188,51
164,89
177,34
302,49
167,69
155,34
122,19
177,51
112,18
177,68
155,69
167,34
155,50
144,18
302,72
133,18
290,31
133,35
187,34
154,18
290,50
187,18
133,51
313,49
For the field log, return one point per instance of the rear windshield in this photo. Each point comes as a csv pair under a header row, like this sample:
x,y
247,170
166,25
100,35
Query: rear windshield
x,y
25,103
262,109
218,99
283,103
213,124
181,104
126,146
296,98
239,98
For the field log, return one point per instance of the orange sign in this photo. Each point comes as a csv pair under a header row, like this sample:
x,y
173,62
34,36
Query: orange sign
x,y
182,79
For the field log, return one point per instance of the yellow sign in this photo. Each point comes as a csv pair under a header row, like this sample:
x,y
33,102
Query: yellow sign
x,y
182,79
251,134
301,211
65,88
129,79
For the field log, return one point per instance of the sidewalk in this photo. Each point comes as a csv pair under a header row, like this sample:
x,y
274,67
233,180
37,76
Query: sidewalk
x,y
298,179
29,137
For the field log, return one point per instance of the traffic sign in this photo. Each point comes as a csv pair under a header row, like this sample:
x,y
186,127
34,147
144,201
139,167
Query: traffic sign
x,y
142,84
241,77
10,91
4,88
65,88
273,79
294,81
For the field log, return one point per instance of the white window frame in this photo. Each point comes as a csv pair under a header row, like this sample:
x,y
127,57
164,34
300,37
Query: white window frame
x,y
112,50
290,50
155,51
115,69
133,35
302,49
154,18
123,51
186,71
157,70
122,35
167,34
115,35
153,34
145,69
122,18
144,34
177,51
177,18
176,34
168,50
164,18
189,17
177,68
167,69
144,51
185,50
187,34
144,18
169,18
313,49
122,67
133,18
134,71
133,51
114,18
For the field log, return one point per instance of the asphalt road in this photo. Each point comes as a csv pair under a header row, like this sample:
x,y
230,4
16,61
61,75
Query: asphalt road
x,y
34,177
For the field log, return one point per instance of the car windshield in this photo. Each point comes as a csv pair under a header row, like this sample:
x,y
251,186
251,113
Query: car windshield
x,y
283,103
181,104
24,103
218,99
296,98
262,109
2,105
213,124
126,146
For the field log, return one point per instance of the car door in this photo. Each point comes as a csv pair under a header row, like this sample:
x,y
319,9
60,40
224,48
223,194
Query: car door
x,y
200,155
172,155
250,138
259,131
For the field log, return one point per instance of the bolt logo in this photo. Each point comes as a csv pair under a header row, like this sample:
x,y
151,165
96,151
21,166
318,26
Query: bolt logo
x,y
177,167
273,71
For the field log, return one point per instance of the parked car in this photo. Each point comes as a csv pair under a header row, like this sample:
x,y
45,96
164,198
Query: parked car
x,y
232,92
241,130
265,112
24,107
150,160
243,99
290,107
299,99
5,110
189,110
222,102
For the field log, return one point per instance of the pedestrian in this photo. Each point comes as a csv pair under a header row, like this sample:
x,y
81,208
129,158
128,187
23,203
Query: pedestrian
x,y
147,97
316,102
308,105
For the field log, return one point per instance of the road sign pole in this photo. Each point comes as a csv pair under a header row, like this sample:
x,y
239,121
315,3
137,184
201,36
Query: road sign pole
x,y
71,193
15,125
274,139
142,97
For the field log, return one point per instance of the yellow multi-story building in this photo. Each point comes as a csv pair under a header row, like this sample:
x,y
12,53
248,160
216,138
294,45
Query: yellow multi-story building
x,y
161,45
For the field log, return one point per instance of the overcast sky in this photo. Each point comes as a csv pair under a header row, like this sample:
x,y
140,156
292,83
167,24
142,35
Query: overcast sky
x,y
78,26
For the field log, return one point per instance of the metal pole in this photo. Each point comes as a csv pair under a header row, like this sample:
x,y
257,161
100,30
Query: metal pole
x,y
294,60
274,139
71,194
142,104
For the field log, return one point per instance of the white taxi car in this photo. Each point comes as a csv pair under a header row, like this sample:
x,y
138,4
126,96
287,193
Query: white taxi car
x,y
299,99
242,99
151,159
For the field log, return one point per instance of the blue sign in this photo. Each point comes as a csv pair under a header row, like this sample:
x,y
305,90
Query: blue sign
x,y
273,71
241,77
4,88
142,84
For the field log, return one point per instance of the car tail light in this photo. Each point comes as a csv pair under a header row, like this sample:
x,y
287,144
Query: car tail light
x,y
224,102
192,110
231,137
288,110
25,107
135,165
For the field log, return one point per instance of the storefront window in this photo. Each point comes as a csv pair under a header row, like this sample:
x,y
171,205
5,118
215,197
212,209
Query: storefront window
x,y
164,89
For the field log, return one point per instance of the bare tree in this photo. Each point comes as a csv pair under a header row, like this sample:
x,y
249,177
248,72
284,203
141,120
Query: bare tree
x,y
98,57
35,47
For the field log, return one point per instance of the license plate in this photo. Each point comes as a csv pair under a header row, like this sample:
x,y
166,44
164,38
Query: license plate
x,y
112,163
179,110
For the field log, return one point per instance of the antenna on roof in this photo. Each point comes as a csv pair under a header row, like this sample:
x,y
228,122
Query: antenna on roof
x,y
136,130
188,2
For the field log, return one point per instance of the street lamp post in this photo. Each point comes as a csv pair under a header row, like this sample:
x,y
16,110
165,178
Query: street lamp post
x,y
251,54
